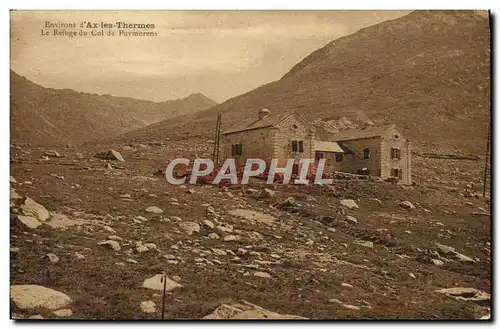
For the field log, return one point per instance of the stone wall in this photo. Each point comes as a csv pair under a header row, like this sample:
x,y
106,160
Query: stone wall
x,y
394,139
355,162
293,129
257,143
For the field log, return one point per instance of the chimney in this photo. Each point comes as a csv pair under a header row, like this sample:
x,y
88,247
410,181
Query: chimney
x,y
264,113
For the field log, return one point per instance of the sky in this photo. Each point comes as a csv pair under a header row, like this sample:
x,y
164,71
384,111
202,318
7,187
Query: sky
x,y
220,54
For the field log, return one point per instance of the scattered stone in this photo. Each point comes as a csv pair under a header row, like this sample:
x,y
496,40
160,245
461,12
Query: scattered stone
x,y
79,256
262,275
346,285
30,296
437,262
219,252
267,193
347,306
12,180
154,210
53,258
110,155
111,244
412,275
64,313
253,215
467,294
349,204
367,244
148,307
61,221
190,227
309,242
155,283
214,236
52,154
351,219
232,238
407,205
245,310
209,224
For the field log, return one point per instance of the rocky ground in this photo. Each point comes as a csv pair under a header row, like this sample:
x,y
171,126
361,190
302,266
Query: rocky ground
x,y
91,239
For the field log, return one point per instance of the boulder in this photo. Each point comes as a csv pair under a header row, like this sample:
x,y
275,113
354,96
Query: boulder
x,y
33,209
349,204
155,283
28,221
110,155
31,296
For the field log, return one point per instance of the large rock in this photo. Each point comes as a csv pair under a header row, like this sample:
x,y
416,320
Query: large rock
x,y
407,205
155,283
30,296
110,155
33,209
30,222
190,227
349,204
245,310
467,294
253,215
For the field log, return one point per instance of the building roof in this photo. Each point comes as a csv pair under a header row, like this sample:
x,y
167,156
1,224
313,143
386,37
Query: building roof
x,y
256,123
323,146
361,134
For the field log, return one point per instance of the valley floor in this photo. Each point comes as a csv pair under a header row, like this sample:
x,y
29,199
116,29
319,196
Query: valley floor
x,y
382,262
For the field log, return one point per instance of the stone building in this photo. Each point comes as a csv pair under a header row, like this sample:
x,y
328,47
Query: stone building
x,y
269,137
378,151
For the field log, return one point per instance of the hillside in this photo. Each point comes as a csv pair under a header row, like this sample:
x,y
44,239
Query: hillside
x,y
428,72
48,116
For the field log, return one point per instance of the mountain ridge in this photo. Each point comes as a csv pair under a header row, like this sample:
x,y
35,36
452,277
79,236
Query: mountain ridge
x,y
42,115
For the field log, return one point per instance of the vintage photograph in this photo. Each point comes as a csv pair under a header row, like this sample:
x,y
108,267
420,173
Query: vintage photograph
x,y
273,164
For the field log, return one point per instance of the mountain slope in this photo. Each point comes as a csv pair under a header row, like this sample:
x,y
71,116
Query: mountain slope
x,y
49,116
427,71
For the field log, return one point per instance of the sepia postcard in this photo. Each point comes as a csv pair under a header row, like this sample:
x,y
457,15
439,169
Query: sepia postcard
x,y
222,165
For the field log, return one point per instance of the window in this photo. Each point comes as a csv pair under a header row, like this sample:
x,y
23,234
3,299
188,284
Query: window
x,y
396,137
366,153
236,149
295,127
339,157
319,155
397,173
297,146
395,153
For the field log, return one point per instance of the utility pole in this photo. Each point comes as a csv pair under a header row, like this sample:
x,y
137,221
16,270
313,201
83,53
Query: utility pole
x,y
217,138
486,160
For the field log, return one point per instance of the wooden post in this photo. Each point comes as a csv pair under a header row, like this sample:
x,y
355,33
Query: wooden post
x,y
164,280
